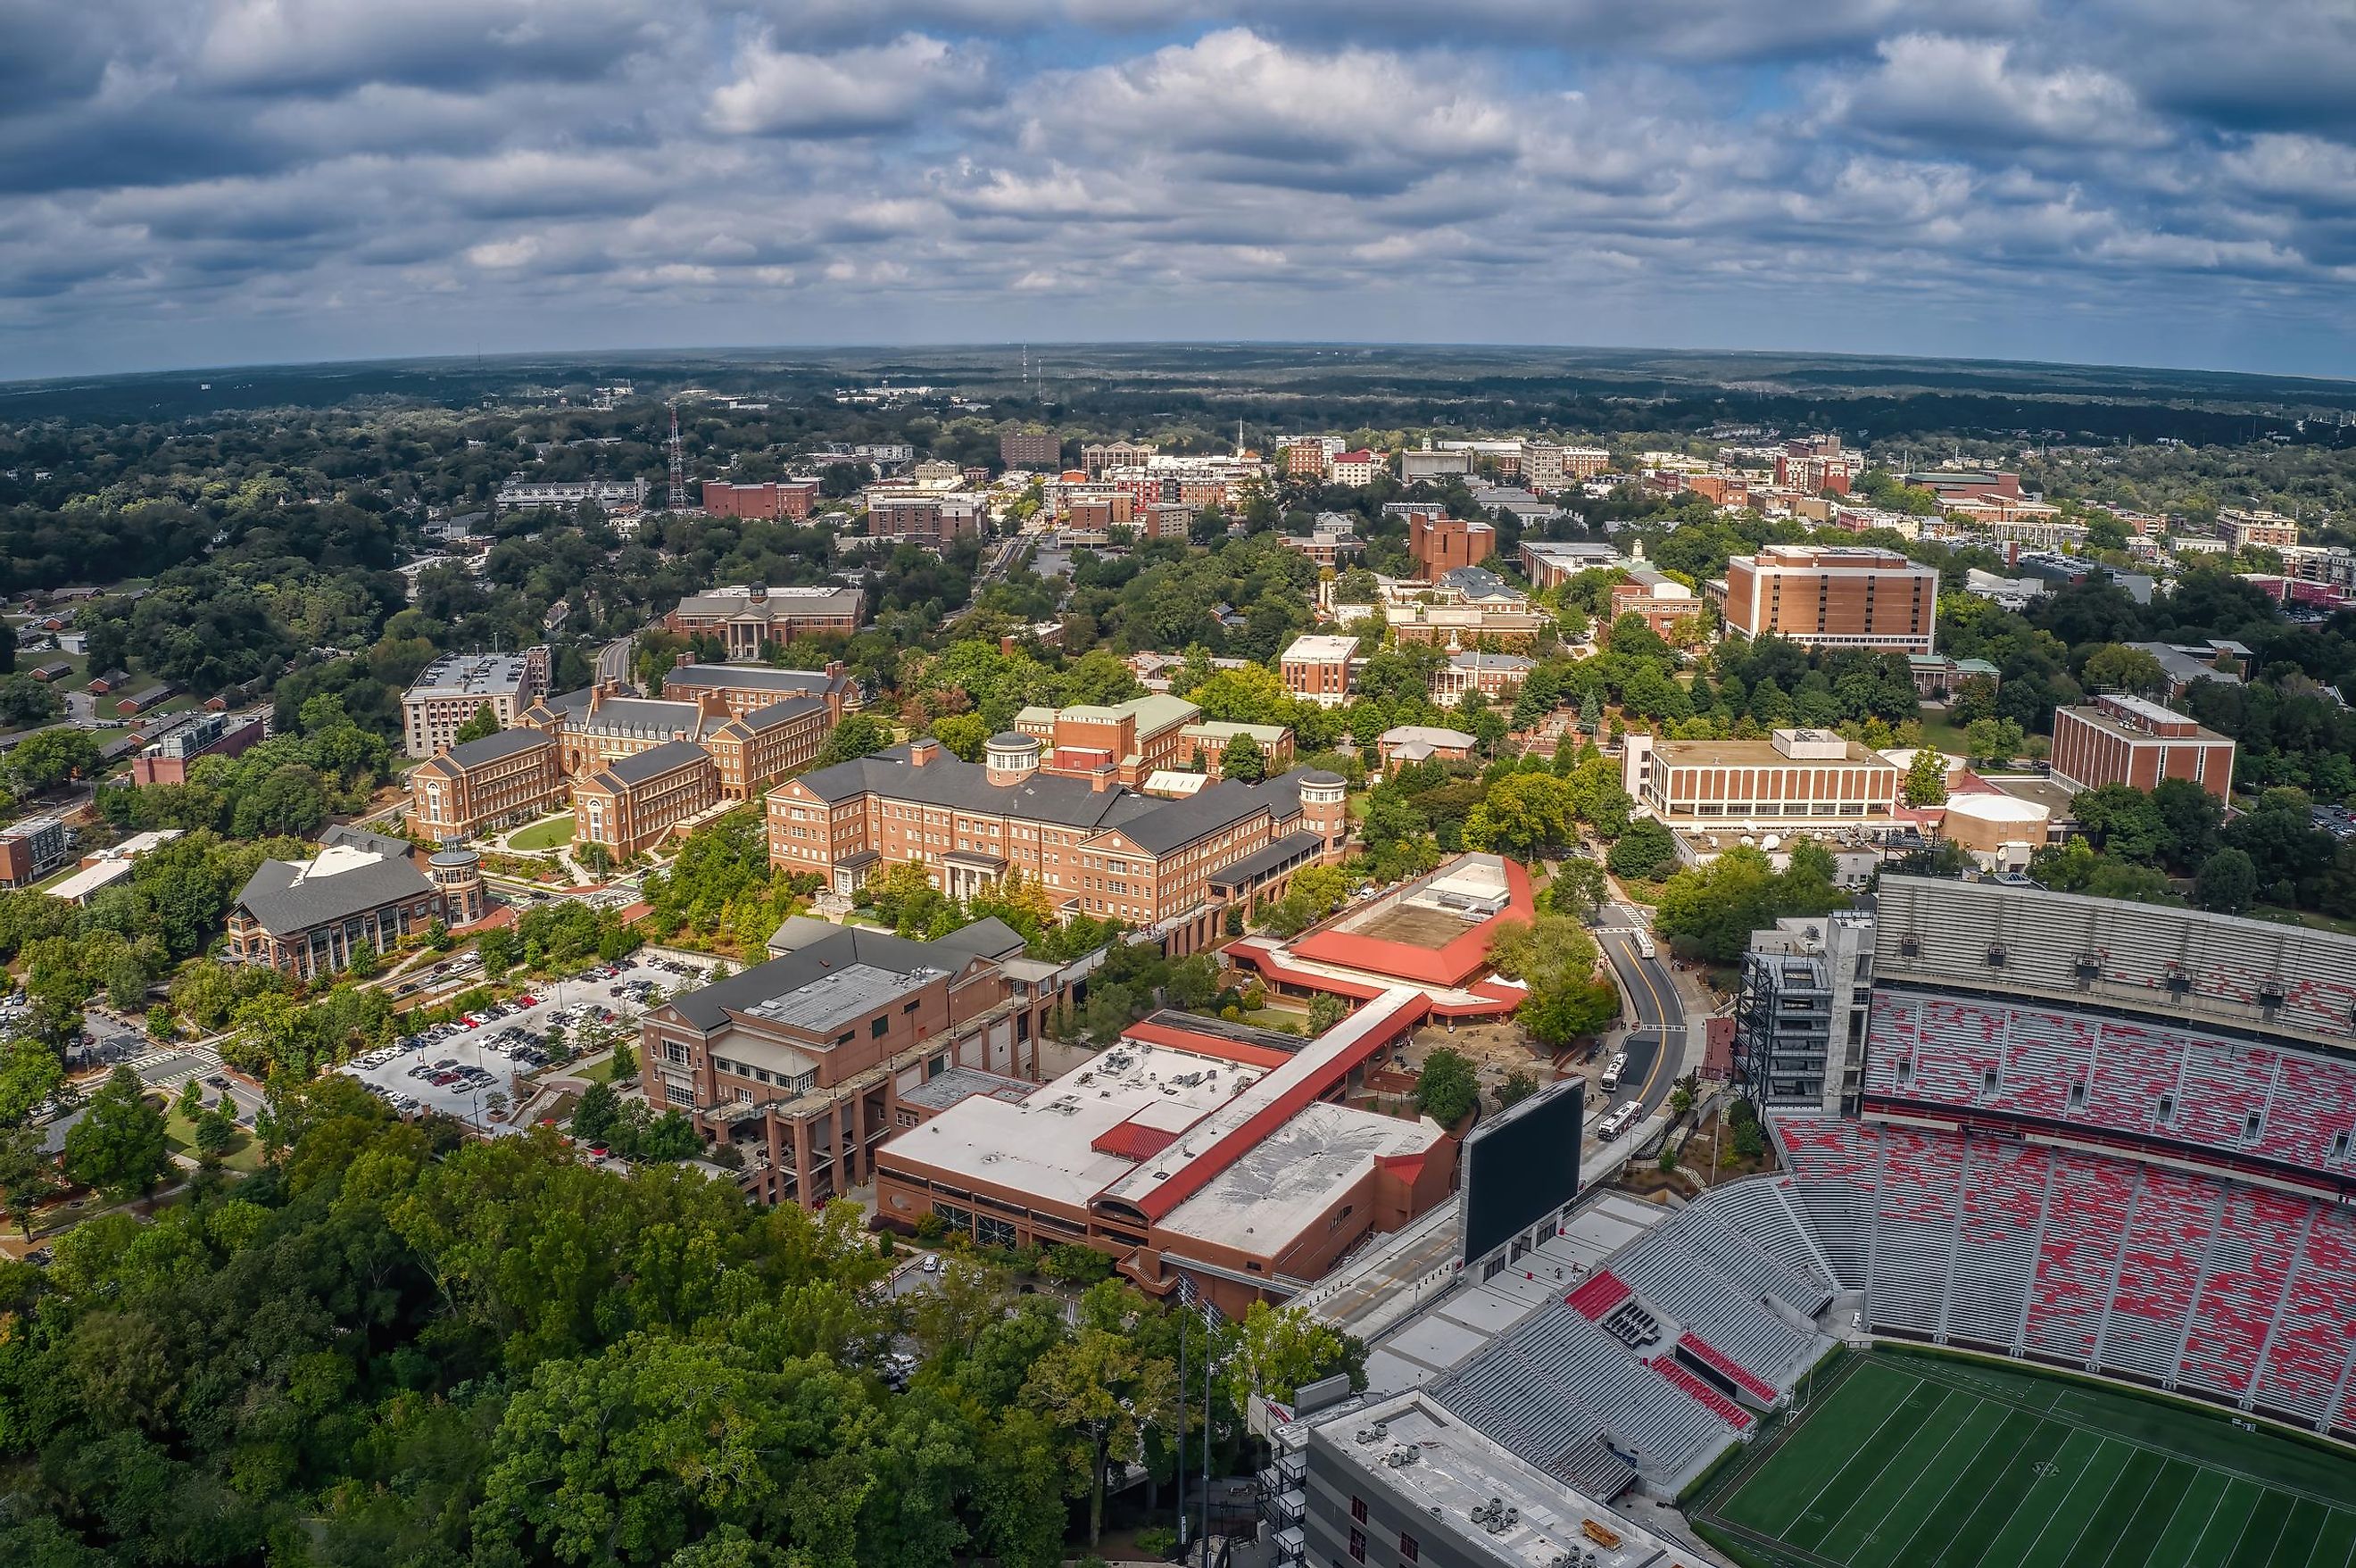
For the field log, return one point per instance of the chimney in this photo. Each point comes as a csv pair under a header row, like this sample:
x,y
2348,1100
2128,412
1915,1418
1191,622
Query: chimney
x,y
836,669
1101,779
2012,556
921,752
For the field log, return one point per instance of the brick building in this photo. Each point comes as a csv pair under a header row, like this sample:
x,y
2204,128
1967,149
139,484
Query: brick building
x,y
925,519
2244,529
742,688
1192,1153
1831,596
749,618
633,802
1357,468
806,1063
1166,866
1439,543
1316,668
31,849
1661,600
1130,742
597,728
773,499
2133,741
485,785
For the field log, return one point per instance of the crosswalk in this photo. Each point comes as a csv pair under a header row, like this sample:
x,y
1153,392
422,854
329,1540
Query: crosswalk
x,y
173,1065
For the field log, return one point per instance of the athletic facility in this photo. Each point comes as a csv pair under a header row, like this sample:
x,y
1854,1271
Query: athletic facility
x,y
1907,1459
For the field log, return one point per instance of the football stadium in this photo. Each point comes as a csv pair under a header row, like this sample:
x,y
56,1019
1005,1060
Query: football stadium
x,y
2057,1267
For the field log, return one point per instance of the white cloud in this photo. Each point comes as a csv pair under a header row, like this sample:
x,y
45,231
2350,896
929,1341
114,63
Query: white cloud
x,y
778,93
1974,93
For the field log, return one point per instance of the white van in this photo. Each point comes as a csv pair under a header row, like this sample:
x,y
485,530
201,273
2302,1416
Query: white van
x,y
1626,1116
1612,1071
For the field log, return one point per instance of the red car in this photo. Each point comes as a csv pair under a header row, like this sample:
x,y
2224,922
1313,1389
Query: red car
x,y
527,1001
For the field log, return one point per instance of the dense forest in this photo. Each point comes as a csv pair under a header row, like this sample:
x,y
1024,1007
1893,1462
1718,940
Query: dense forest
x,y
394,1349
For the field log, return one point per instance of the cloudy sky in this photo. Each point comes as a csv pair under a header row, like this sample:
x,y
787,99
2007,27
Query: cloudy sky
x,y
2167,182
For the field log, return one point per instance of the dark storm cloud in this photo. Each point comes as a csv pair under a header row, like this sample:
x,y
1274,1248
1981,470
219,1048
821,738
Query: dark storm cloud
x,y
249,179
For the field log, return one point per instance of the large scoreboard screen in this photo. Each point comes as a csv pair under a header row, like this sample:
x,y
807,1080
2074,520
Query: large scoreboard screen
x,y
1521,1165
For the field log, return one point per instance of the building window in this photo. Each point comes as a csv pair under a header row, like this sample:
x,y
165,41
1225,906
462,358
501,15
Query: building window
x,y
878,1026
1410,1550
1359,1508
1358,1545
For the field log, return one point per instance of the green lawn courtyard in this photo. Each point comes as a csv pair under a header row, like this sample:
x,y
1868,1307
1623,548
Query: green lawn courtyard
x,y
546,834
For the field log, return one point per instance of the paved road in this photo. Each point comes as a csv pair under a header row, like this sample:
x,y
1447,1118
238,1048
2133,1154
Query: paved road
x,y
613,660
1653,1003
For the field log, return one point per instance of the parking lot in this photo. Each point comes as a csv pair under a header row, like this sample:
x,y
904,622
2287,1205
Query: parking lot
x,y
506,1046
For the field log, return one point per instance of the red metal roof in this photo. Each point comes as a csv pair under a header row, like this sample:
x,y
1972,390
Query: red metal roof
x,y
1452,966
1132,1142
1207,1045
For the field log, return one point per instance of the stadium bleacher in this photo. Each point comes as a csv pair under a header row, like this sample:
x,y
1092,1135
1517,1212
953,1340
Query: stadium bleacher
x,y
2194,1089
2213,1287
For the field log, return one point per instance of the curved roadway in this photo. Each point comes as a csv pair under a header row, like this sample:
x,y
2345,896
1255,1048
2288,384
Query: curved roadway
x,y
1658,1015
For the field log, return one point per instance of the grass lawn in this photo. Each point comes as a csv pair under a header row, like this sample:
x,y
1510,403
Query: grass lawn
x,y
543,834
1912,1460
244,1155
1939,731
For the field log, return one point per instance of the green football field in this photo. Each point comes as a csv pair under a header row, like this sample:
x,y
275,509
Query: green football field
x,y
1910,1461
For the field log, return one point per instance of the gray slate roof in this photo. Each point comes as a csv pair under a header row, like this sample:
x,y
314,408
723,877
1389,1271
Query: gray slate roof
x,y
709,1008
491,747
1152,823
655,761
285,900
360,838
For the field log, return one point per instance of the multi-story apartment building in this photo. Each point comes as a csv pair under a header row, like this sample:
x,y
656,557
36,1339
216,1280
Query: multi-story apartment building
x,y
633,802
1439,543
1167,866
1796,777
455,686
1831,596
751,616
521,495
1099,514
771,498
925,519
806,1063
362,893
1316,668
2129,740
1307,457
1547,468
1815,464
2245,529
485,784
1034,449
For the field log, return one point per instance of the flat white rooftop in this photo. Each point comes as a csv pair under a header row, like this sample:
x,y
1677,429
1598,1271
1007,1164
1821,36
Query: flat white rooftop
x,y
1456,1471
1043,1146
1257,1203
